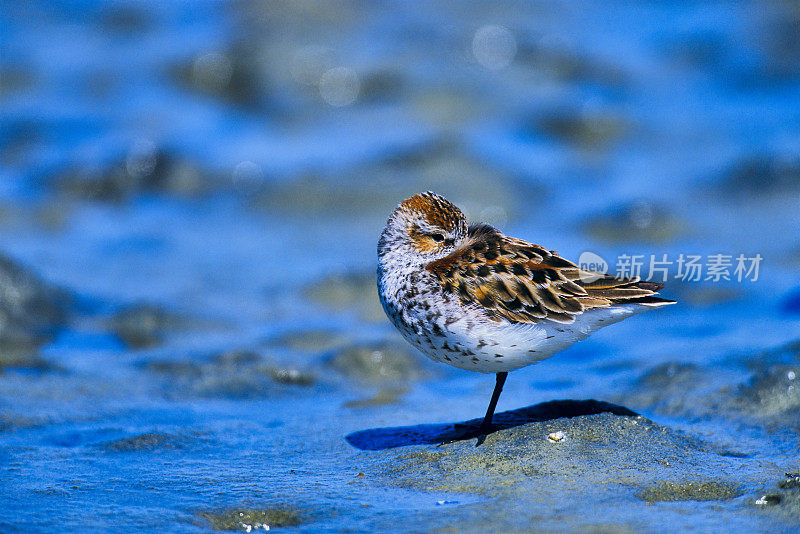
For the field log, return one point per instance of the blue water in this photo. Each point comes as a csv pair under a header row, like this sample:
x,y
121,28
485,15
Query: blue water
x,y
660,104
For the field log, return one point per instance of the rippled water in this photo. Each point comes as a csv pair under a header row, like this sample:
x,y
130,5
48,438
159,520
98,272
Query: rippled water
x,y
228,168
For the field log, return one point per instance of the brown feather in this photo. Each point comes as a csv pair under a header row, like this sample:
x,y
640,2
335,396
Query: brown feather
x,y
520,282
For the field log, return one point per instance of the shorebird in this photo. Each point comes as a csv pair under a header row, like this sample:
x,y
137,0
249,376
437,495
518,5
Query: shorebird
x,y
471,297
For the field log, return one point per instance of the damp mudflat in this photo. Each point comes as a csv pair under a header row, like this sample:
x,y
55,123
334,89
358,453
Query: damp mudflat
x,y
190,200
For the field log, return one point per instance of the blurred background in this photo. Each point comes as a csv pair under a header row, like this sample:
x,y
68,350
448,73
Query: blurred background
x,y
191,195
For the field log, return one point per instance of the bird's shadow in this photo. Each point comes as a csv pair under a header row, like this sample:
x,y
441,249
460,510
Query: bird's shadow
x,y
375,439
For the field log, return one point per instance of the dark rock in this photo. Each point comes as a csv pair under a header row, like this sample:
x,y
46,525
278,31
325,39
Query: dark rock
x,y
240,74
313,341
793,350
15,79
769,396
596,130
291,376
145,169
783,499
380,85
640,221
381,362
143,326
544,472
235,359
30,309
12,421
764,175
792,480
773,392
778,38
597,456
19,137
693,490
381,398
178,369
663,389
253,519
435,434
142,442
769,499
23,356
351,292
52,215
698,49
31,312
235,374
562,63
127,19
672,374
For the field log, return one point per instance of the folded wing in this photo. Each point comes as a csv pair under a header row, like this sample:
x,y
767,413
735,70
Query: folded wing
x,y
513,280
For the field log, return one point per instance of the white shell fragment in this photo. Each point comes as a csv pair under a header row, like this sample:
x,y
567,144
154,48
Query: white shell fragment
x,y
768,499
555,437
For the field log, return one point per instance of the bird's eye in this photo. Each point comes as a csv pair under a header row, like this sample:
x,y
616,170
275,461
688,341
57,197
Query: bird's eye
x,y
437,237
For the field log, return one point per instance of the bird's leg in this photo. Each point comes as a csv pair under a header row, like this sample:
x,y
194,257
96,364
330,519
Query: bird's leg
x,y
467,432
486,425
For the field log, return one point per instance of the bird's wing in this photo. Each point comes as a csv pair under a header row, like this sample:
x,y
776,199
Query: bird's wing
x,y
511,279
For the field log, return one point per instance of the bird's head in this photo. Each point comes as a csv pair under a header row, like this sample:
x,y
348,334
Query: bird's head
x,y
424,228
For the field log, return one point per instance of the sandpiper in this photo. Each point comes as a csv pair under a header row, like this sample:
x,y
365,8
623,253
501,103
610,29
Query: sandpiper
x,y
471,297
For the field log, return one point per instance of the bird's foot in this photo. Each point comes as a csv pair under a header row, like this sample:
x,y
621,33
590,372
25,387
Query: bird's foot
x,y
464,432
459,432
